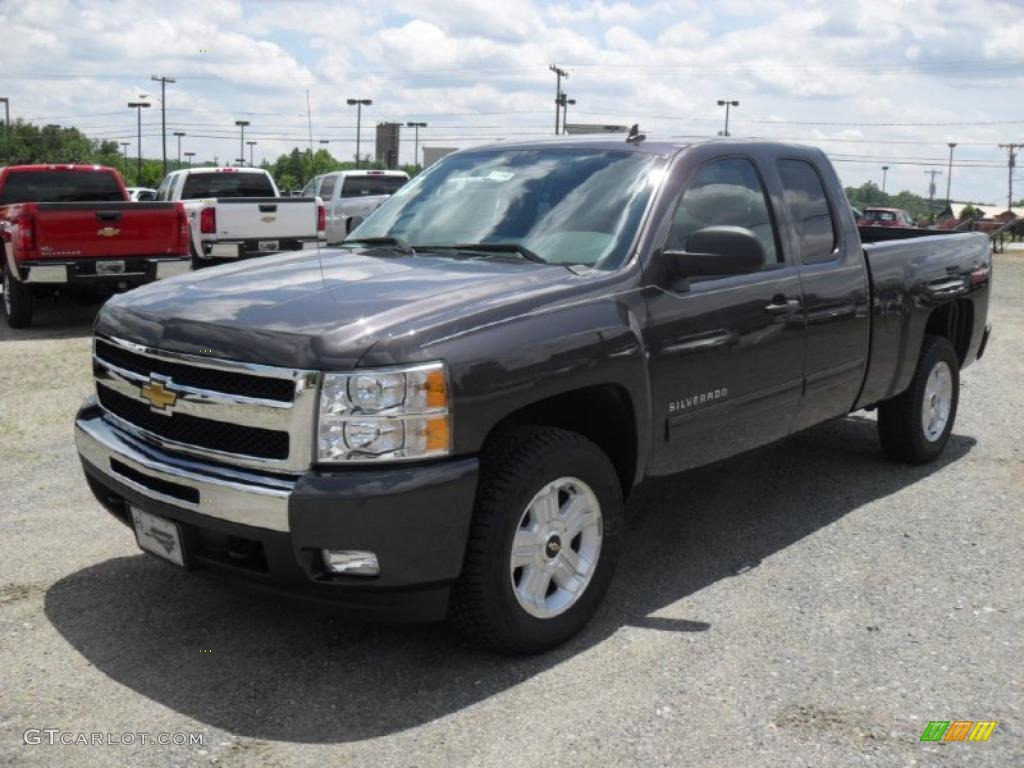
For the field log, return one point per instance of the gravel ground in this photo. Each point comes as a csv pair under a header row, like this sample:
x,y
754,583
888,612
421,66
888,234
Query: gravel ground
x,y
809,603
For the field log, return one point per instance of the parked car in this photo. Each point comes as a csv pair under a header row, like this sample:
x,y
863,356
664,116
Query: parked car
x,y
237,213
70,230
351,196
444,415
887,217
141,194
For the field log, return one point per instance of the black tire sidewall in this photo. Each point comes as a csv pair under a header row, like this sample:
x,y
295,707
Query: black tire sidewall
x,y
20,297
579,459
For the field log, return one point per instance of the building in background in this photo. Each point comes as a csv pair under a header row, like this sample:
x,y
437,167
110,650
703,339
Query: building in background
x,y
388,136
432,154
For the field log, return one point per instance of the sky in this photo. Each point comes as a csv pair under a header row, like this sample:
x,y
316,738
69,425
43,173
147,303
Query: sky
x,y
873,82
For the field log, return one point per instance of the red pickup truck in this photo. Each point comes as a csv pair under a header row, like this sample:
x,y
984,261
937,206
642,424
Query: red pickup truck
x,y
71,229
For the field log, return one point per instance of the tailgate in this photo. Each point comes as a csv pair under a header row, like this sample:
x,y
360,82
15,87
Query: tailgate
x,y
106,230
266,218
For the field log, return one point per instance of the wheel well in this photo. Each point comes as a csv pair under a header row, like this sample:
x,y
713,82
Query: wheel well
x,y
954,321
603,414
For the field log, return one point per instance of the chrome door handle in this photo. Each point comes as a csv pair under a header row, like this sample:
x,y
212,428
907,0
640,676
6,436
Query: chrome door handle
x,y
782,307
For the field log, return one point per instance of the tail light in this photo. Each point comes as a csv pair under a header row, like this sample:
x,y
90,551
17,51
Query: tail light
x,y
208,221
184,231
25,239
321,218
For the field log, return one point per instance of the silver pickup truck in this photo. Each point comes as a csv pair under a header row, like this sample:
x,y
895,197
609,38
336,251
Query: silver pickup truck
x,y
351,196
238,213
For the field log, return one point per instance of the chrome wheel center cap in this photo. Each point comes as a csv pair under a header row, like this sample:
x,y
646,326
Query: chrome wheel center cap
x,y
553,547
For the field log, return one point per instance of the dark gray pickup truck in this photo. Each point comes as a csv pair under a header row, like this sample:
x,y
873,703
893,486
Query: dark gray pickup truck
x,y
444,415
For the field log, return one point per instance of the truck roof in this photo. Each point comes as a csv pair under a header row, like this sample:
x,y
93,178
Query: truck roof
x,y
220,169
57,167
646,146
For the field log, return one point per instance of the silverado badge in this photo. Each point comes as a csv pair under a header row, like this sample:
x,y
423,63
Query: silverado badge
x,y
159,397
108,232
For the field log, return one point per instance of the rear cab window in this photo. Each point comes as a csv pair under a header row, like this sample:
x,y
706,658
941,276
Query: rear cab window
x,y
804,194
364,186
226,184
327,188
60,186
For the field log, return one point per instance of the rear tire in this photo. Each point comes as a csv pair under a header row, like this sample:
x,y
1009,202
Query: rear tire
x,y
915,426
545,536
18,302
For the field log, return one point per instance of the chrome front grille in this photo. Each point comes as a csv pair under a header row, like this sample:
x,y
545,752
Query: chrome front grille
x,y
237,413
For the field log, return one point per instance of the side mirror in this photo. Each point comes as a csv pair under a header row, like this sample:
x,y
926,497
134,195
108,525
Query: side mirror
x,y
715,251
352,223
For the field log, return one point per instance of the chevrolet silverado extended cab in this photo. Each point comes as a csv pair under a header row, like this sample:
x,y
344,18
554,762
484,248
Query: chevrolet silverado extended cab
x,y
351,196
70,229
238,213
444,415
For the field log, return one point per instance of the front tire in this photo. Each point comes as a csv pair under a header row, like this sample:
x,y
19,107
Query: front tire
x,y
915,426
18,302
545,536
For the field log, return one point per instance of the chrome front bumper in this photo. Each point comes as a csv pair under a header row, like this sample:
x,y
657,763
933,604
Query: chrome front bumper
x,y
234,495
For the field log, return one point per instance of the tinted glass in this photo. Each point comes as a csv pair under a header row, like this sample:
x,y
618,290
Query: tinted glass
x,y
880,216
724,192
61,187
363,186
808,208
307,191
567,205
163,192
200,185
327,188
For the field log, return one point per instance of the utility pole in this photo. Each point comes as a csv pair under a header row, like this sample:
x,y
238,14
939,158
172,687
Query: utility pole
x,y
179,134
565,101
727,103
1011,150
7,126
885,171
416,140
559,74
949,174
124,150
931,183
163,80
138,106
241,141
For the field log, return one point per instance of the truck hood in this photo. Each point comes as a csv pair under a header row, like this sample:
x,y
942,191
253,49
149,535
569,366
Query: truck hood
x,y
323,310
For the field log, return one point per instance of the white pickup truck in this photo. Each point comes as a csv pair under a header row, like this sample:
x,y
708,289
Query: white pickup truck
x,y
237,213
350,196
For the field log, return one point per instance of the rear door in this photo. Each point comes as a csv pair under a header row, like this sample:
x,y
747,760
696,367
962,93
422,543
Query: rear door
x,y
834,281
726,353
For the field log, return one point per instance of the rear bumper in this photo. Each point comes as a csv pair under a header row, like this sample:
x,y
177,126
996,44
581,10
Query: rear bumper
x,y
135,270
249,248
414,518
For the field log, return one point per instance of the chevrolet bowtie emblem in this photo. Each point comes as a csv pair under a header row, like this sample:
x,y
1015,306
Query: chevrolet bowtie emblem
x,y
268,219
108,232
159,397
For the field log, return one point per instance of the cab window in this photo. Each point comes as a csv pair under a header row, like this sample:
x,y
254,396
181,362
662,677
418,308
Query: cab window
x,y
725,192
327,188
809,211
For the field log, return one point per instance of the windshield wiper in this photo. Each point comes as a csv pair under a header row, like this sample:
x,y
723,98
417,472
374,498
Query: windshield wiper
x,y
396,242
516,248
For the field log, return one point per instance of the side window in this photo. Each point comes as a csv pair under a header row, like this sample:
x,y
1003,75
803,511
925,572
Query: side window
x,y
726,192
163,191
808,208
307,191
327,188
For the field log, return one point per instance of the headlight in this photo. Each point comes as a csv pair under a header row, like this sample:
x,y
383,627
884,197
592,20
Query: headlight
x,y
384,415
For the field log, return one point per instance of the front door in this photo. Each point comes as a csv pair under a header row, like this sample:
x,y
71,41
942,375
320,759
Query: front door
x,y
726,353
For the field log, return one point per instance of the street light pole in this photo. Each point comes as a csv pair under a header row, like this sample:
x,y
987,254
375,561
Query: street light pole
x,y
251,145
416,140
949,173
163,80
179,134
885,171
727,103
124,150
7,126
358,104
241,141
190,155
138,106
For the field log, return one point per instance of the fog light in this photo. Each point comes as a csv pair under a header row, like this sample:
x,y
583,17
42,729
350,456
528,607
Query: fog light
x,y
351,561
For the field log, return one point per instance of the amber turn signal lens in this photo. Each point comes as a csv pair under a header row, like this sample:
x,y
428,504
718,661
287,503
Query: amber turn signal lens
x,y
438,434
437,389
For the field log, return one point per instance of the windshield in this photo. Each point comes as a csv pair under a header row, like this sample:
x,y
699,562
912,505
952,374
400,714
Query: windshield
x,y
578,206
227,184
61,187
